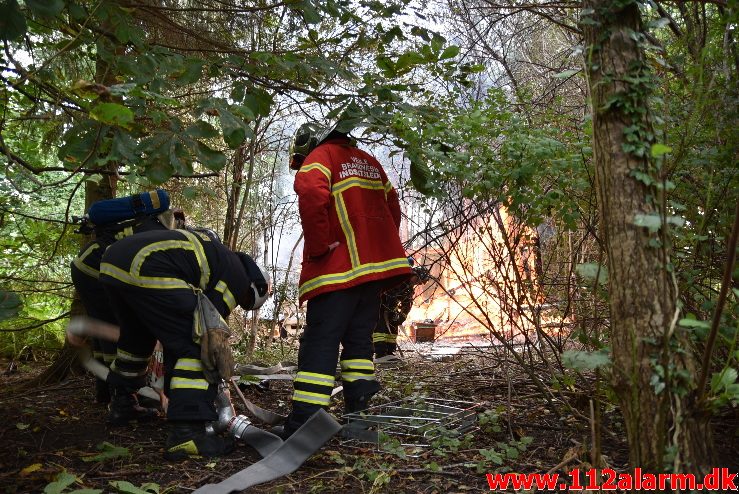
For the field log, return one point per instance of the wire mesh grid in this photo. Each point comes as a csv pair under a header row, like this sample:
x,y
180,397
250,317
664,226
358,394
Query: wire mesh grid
x,y
413,421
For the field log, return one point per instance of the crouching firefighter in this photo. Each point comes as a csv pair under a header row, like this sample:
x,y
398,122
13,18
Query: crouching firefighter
x,y
110,220
158,283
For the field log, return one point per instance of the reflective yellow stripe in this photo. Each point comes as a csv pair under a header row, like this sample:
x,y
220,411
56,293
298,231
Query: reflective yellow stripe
x,y
142,281
126,232
202,260
228,297
384,337
189,364
315,398
316,166
356,376
364,269
358,363
124,355
346,226
388,187
142,254
154,199
79,261
313,378
364,183
184,383
376,337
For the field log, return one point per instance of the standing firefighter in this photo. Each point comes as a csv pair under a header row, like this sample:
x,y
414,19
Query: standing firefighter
x,y
156,281
111,220
395,304
350,215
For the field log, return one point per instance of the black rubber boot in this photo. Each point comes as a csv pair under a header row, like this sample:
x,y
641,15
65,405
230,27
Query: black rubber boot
x,y
124,408
102,392
189,440
360,403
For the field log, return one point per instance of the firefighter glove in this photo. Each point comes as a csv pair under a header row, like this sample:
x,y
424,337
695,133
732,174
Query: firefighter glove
x,y
215,352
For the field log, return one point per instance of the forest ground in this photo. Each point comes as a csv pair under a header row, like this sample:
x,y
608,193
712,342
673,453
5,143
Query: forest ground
x,y
47,431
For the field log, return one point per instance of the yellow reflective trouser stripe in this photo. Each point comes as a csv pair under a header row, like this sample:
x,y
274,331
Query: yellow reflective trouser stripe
x,y
364,269
356,376
346,225
184,383
380,337
316,166
124,355
79,261
98,355
141,281
313,378
108,357
189,364
314,398
357,364
228,297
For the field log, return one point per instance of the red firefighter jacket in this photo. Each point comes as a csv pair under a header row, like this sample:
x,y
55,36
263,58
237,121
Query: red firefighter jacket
x,y
344,196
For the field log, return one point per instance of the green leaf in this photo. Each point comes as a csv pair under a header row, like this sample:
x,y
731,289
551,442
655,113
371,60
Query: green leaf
x,y
62,481
590,270
10,305
421,177
86,491
651,221
723,380
210,158
694,323
259,102
12,21
449,52
567,73
128,488
46,8
107,452
150,487
577,359
190,192
408,59
201,130
658,150
112,114
159,172
234,129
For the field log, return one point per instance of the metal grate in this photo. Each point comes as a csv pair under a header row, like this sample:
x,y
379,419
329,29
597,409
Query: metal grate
x,y
414,422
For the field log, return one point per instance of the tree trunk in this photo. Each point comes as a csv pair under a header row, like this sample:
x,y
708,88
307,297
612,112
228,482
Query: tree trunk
x,y
105,188
662,430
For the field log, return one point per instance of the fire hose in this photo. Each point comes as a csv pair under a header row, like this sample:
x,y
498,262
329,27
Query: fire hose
x,y
279,458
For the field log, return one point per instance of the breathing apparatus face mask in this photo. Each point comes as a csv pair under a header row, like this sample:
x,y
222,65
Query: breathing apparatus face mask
x,y
303,142
261,285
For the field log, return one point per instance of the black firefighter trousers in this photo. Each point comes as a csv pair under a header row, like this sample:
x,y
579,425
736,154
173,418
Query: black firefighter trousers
x,y
145,316
344,317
